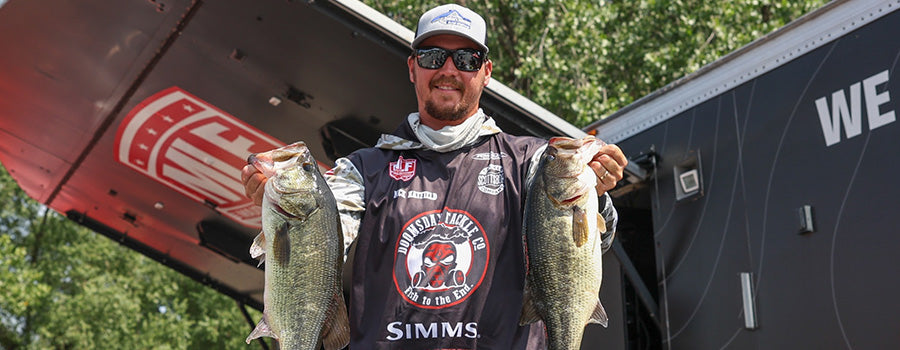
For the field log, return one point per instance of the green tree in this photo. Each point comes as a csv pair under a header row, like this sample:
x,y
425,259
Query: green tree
x,y
66,287
585,59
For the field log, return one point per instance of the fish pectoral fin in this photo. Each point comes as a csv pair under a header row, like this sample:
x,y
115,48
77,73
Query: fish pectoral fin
x,y
599,315
529,313
601,223
580,228
281,245
262,330
336,330
258,248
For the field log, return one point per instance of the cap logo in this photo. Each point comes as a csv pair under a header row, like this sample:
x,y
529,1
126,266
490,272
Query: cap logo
x,y
453,18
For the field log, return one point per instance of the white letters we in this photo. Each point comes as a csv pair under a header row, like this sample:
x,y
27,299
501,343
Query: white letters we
x,y
851,115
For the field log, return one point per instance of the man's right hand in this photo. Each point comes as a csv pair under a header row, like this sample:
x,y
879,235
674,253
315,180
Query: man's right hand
x,y
254,183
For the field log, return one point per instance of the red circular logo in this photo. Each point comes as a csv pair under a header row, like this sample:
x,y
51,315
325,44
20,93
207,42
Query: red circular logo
x,y
440,258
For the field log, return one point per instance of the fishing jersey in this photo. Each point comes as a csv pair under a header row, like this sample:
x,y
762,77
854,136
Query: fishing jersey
x,y
439,260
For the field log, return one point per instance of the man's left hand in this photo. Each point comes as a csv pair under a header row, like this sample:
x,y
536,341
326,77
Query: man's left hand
x,y
609,166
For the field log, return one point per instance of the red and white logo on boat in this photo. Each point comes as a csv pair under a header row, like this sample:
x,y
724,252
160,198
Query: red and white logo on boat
x,y
402,169
194,148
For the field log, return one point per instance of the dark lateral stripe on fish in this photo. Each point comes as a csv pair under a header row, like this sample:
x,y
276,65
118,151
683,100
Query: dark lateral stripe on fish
x,y
281,246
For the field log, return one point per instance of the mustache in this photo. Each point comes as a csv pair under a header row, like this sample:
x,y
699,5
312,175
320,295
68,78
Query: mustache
x,y
447,81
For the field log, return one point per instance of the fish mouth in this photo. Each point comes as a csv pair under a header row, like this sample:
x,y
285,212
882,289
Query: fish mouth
x,y
582,150
270,161
565,143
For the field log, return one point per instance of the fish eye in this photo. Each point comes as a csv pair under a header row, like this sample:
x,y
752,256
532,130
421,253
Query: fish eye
x,y
308,167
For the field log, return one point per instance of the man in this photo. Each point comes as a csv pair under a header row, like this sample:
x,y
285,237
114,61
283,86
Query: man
x,y
436,207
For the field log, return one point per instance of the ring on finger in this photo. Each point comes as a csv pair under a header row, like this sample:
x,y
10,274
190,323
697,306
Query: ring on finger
x,y
604,175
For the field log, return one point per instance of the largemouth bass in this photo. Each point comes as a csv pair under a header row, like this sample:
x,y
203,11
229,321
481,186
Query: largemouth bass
x,y
563,244
302,247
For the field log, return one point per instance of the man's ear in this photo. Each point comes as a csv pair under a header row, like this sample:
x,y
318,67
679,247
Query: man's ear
x,y
410,62
488,68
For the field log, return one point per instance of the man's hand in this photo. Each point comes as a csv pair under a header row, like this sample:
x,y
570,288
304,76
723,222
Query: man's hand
x,y
609,166
254,183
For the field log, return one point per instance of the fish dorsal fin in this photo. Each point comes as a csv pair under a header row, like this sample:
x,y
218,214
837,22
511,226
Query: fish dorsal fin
x,y
580,228
258,248
336,330
262,329
529,313
599,315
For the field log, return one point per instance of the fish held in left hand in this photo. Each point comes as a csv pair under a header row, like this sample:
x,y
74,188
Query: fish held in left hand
x,y
302,247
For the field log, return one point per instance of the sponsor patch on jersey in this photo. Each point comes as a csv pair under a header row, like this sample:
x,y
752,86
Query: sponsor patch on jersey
x,y
402,193
490,179
440,258
489,156
402,169
435,330
194,148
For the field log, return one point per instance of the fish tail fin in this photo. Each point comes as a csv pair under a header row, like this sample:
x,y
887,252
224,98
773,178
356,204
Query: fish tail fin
x,y
580,228
262,330
258,248
529,313
599,315
336,331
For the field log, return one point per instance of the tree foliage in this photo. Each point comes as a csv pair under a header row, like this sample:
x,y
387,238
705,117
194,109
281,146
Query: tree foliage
x,y
66,287
585,59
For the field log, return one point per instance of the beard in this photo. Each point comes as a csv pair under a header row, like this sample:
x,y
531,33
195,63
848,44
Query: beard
x,y
455,112
452,113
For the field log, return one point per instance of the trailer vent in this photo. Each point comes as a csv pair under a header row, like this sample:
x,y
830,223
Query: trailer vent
x,y
688,182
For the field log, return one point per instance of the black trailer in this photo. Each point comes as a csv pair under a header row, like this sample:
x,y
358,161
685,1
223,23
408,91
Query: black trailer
x,y
771,192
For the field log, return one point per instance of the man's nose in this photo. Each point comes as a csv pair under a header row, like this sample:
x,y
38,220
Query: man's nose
x,y
449,67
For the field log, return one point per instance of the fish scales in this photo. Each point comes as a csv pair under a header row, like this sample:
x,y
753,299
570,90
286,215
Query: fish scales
x,y
297,286
301,245
563,243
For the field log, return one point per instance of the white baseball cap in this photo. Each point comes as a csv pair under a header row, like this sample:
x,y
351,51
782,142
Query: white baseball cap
x,y
452,19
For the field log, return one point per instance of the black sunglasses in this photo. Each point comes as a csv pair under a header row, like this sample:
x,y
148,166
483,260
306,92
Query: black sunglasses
x,y
467,60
